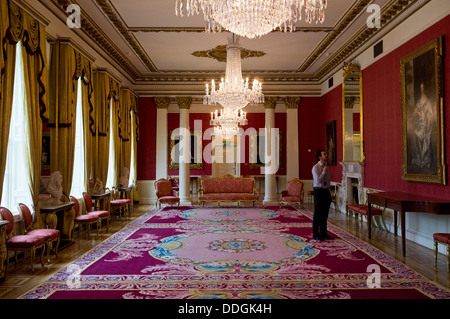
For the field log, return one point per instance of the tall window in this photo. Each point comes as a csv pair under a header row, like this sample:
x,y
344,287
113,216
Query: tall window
x,y
112,162
132,137
78,165
15,183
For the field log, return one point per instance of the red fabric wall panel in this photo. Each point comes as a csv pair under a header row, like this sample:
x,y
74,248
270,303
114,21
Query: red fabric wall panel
x,y
383,117
146,149
313,114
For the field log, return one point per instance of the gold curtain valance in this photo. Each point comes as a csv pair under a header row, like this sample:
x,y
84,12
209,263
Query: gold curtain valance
x,y
23,27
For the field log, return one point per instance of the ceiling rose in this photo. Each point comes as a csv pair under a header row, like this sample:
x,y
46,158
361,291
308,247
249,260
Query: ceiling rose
x,y
253,18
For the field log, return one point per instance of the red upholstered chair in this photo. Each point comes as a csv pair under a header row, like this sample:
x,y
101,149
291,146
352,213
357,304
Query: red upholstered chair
x,y
21,242
293,194
164,193
86,219
102,214
52,236
175,183
119,204
363,209
444,239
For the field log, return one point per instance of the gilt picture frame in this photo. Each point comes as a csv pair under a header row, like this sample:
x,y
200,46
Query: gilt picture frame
x,y
196,150
422,115
330,142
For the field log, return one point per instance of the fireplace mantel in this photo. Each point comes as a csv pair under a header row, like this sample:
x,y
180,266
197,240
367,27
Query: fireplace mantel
x,y
351,170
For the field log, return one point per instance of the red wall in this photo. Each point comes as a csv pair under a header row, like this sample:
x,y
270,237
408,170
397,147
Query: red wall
x,y
146,149
313,114
255,120
383,117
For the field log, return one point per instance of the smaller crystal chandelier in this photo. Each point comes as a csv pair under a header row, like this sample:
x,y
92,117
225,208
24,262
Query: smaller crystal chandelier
x,y
253,18
233,94
227,122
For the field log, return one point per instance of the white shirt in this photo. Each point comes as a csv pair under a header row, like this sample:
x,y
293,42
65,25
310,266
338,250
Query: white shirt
x,y
321,178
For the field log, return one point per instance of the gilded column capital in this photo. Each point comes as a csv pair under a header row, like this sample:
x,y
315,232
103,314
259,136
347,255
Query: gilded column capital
x,y
292,102
184,102
162,102
270,102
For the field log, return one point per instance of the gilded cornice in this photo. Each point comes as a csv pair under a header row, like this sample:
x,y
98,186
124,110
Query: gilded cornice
x,y
292,102
390,12
162,102
184,102
270,102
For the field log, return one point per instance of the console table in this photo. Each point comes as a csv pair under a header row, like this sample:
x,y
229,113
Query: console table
x,y
405,202
64,222
101,200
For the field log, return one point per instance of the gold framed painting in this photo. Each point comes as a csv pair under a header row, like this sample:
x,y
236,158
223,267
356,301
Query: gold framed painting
x,y
196,150
257,149
422,115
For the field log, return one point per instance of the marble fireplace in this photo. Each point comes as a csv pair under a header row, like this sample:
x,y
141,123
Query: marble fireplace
x,y
352,183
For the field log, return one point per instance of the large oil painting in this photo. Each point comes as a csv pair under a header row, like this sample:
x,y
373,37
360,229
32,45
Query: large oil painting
x,y
422,115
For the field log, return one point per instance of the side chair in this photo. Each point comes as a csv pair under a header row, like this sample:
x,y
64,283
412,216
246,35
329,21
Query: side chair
x,y
25,243
52,236
86,219
102,214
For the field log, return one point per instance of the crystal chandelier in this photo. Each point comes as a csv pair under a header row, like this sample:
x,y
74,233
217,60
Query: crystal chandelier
x,y
253,18
227,122
233,94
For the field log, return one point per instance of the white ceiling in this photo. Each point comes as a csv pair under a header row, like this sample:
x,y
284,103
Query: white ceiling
x,y
153,46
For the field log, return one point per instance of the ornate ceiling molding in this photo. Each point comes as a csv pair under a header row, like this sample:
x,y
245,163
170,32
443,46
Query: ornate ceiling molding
x,y
390,12
219,53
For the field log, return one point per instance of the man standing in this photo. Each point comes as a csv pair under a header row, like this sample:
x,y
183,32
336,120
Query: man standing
x,y
322,196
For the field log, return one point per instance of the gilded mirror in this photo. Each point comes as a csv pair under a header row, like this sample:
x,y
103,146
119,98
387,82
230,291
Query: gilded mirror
x,y
352,114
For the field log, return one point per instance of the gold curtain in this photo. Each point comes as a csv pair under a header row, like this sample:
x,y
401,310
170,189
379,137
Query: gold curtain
x,y
85,71
125,128
63,101
7,69
106,96
34,52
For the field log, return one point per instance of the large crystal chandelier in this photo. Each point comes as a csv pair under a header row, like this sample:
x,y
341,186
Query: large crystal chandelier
x,y
253,18
233,94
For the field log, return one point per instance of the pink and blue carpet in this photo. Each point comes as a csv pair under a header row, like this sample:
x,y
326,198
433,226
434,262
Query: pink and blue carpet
x,y
264,252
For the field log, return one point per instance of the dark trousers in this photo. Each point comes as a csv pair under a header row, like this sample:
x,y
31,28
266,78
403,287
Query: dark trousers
x,y
322,201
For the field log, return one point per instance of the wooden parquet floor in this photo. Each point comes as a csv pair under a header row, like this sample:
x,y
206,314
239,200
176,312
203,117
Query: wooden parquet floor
x,y
20,279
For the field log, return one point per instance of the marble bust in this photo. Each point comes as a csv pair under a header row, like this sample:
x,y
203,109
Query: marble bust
x,y
54,187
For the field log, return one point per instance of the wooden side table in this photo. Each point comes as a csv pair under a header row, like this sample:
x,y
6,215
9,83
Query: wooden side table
x,y
101,200
3,249
64,222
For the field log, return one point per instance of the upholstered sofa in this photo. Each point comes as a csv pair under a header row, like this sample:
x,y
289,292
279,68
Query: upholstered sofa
x,y
228,189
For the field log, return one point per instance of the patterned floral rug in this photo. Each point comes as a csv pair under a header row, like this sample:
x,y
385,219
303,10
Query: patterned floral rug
x,y
242,253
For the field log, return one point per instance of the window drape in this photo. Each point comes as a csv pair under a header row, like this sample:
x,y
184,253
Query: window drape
x,y
106,96
20,26
67,66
